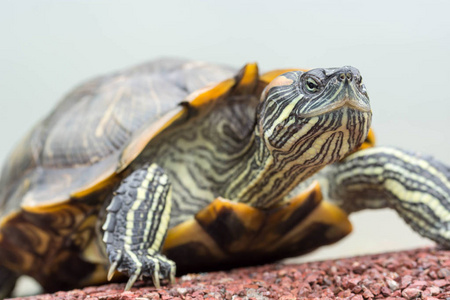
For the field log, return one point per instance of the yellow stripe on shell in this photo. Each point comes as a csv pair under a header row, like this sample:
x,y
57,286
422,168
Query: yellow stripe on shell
x,y
271,75
248,79
190,231
325,213
210,93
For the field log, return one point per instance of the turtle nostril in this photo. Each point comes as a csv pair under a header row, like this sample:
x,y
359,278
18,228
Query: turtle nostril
x,y
342,76
349,76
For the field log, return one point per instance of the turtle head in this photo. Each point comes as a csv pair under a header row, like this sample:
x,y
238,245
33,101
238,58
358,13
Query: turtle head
x,y
314,117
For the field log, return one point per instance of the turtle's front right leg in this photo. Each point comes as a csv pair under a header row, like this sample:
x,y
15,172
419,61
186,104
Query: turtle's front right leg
x,y
136,226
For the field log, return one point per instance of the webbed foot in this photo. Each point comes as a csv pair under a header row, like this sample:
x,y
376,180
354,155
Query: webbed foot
x,y
141,263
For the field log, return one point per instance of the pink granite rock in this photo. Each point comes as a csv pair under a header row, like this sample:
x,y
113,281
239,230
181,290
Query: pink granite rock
x,y
421,273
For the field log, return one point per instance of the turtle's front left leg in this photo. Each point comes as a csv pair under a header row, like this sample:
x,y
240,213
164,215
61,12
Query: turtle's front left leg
x,y
136,226
416,186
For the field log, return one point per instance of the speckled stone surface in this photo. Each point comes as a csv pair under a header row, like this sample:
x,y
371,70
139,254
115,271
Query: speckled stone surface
x,y
415,274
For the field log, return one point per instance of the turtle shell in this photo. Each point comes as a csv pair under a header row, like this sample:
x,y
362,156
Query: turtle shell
x,y
54,182
97,130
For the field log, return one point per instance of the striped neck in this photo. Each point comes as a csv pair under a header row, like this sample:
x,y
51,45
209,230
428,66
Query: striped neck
x,y
304,122
265,175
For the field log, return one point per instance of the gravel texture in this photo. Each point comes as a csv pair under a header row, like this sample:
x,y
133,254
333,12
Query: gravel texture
x,y
415,274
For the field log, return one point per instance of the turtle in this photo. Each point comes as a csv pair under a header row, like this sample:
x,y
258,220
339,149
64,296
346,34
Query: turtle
x,y
178,166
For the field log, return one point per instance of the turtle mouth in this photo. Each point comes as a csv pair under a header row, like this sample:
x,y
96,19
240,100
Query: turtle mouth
x,y
346,102
345,95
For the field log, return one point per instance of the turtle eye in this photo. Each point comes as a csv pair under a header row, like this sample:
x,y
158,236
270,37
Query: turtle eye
x,y
359,80
361,85
312,85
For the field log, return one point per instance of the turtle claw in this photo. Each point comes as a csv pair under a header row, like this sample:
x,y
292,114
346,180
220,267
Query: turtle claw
x,y
138,263
112,270
155,278
172,274
114,264
131,281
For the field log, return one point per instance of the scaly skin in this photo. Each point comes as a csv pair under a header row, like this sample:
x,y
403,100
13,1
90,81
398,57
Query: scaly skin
x,y
417,186
305,121
247,144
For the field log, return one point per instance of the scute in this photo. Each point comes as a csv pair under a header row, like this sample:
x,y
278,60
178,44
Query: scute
x,y
228,234
80,142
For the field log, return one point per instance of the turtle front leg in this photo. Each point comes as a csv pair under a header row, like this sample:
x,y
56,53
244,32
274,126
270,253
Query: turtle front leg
x,y
416,186
136,226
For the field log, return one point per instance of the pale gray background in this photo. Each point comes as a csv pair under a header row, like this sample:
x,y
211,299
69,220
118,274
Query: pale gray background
x,y
401,48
